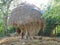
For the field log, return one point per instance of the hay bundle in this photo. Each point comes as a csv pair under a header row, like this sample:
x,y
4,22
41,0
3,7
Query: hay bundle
x,y
27,19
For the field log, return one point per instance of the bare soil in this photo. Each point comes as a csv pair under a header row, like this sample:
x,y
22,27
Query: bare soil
x,y
38,40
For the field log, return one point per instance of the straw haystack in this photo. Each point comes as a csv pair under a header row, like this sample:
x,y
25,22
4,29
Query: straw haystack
x,y
27,19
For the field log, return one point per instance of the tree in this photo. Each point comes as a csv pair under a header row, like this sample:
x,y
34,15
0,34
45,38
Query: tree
x,y
52,17
4,7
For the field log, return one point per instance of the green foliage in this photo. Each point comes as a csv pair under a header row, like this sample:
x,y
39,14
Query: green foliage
x,y
12,29
4,11
57,0
52,17
52,20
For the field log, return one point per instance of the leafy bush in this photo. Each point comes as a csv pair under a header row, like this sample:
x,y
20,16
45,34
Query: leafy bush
x,y
52,21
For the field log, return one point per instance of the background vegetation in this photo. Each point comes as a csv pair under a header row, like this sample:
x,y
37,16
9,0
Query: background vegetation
x,y
52,16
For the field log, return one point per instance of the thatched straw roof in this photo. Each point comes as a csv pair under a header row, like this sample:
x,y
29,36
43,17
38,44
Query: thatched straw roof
x,y
24,15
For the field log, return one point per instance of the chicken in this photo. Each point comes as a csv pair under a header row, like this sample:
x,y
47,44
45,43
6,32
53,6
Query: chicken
x,y
27,19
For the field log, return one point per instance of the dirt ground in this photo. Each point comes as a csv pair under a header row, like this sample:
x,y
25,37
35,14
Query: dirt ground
x,y
38,40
